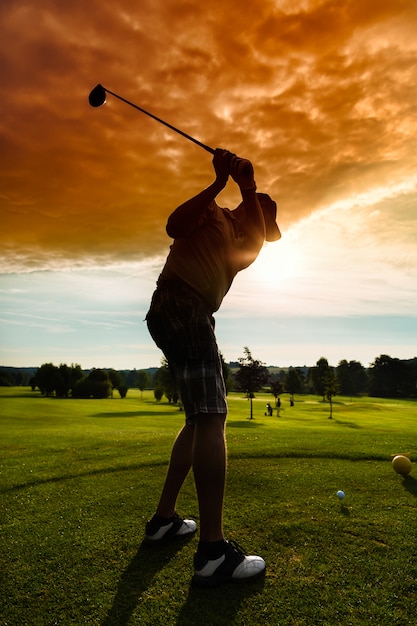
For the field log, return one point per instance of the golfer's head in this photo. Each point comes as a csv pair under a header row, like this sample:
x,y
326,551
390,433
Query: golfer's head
x,y
269,209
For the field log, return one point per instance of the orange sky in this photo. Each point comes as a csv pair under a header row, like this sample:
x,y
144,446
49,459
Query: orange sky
x,y
320,95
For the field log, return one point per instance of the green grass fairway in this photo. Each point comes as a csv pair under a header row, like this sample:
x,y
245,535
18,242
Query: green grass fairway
x,y
79,478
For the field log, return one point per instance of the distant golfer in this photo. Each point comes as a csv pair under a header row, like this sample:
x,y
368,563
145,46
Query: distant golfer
x,y
211,245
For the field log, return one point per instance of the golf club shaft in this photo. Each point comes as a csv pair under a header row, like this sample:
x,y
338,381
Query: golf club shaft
x,y
158,119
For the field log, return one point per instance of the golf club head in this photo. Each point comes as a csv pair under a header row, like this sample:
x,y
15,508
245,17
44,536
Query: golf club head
x,y
97,96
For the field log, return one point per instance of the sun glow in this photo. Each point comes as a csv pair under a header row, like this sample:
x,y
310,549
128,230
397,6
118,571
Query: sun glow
x,y
282,259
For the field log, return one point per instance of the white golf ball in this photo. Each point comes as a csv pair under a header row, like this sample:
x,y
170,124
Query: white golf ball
x,y
340,494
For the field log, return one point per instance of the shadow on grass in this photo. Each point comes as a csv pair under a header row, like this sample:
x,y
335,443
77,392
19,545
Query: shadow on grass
x,y
95,472
114,414
344,510
218,605
348,424
202,606
136,579
410,484
244,424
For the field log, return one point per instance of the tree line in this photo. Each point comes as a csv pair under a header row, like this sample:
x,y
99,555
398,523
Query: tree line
x,y
386,377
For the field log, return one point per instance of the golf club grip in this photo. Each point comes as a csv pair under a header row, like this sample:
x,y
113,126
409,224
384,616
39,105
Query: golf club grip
x,y
158,119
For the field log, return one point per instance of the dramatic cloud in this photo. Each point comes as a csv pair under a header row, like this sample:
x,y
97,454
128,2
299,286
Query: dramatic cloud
x,y
320,95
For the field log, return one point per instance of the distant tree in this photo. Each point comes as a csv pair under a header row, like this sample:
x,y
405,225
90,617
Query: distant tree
x,y
100,383
52,380
119,382
123,389
116,380
293,381
277,387
46,378
80,389
158,392
331,387
392,378
227,375
318,376
131,378
251,376
15,376
352,378
63,381
143,381
66,378
96,385
76,374
164,380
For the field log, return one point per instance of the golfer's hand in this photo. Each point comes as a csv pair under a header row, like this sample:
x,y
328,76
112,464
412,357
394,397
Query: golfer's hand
x,y
242,172
221,164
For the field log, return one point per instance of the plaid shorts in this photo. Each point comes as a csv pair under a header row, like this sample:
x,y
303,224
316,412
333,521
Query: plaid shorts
x,y
183,328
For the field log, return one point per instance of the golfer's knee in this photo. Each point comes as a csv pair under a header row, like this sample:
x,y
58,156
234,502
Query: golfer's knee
x,y
210,421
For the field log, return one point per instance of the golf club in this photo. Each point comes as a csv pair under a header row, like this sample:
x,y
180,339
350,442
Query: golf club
x,y
97,97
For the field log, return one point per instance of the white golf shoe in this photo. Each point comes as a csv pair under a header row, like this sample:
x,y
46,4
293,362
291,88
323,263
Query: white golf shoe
x,y
232,566
175,528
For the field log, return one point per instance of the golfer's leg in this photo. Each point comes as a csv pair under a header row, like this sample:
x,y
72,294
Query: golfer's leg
x,y
209,467
179,466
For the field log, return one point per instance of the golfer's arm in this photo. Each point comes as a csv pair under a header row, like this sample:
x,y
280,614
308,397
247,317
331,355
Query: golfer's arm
x,y
254,217
186,217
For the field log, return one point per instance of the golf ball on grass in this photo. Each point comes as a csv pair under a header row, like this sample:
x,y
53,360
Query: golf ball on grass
x,y
401,464
340,494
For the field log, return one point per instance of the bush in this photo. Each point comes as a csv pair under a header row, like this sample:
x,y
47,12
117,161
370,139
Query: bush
x,y
96,385
122,389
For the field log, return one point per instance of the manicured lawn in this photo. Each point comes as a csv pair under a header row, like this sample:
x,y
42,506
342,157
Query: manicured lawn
x,y
79,478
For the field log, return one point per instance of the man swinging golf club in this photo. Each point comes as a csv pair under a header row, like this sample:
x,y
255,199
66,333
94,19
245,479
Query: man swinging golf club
x,y
211,245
